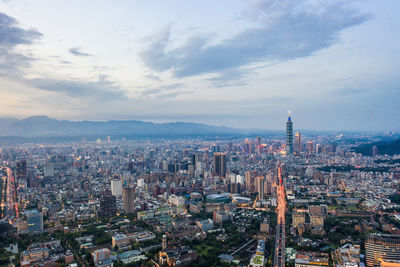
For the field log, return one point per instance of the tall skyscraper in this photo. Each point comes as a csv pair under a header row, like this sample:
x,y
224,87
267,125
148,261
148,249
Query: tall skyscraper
x,y
381,249
116,187
297,143
247,146
289,135
375,151
128,197
258,140
248,181
21,170
196,157
260,187
219,164
310,147
108,206
318,148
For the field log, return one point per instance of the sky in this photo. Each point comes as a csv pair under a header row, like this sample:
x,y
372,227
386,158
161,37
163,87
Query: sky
x,y
239,63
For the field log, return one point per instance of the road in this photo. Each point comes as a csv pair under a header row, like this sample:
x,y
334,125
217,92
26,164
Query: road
x,y
280,235
11,204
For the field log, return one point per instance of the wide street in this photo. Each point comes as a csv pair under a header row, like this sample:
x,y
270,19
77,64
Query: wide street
x,y
9,200
280,237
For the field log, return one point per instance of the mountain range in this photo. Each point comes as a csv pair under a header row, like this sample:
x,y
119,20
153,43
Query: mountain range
x,y
44,127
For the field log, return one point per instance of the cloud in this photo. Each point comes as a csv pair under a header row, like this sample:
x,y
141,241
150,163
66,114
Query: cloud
x,y
293,30
174,94
162,90
11,35
103,88
348,91
231,77
12,65
77,52
153,77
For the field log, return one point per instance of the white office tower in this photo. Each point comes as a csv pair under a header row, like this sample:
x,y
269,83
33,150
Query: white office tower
x,y
116,187
140,182
240,179
236,179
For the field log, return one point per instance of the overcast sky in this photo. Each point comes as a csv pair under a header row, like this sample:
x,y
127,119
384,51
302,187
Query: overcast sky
x,y
334,64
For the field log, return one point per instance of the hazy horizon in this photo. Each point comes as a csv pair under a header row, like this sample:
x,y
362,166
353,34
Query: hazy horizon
x,y
282,129
240,64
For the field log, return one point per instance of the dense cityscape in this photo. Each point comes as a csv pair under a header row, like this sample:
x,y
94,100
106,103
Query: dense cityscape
x,y
161,133
289,200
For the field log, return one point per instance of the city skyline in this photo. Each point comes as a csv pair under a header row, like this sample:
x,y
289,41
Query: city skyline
x,y
244,64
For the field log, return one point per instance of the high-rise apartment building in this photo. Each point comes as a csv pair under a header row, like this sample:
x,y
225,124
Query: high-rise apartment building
x,y
289,135
381,249
219,164
297,143
128,197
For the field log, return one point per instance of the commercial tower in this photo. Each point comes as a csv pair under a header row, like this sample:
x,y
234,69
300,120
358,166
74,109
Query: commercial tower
x,y
108,206
289,135
310,147
116,187
21,170
382,250
219,164
297,143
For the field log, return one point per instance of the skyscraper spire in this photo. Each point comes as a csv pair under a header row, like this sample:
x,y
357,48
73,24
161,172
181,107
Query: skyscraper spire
x,y
289,135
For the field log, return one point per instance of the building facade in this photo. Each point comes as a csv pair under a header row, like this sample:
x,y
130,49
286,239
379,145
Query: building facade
x,y
381,248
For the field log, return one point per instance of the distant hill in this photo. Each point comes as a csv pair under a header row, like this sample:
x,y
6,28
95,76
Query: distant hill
x,y
39,128
384,147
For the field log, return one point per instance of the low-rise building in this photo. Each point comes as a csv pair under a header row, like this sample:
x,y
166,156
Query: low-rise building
x,y
205,225
101,255
346,256
311,259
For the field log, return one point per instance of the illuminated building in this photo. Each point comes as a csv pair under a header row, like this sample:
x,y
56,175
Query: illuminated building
x,y
381,248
